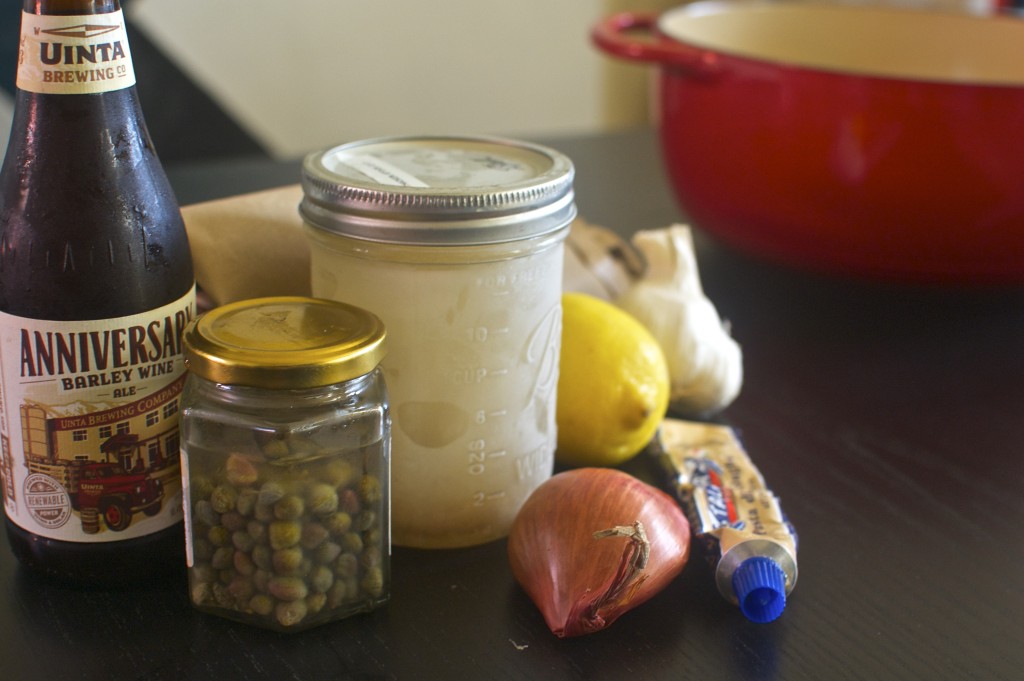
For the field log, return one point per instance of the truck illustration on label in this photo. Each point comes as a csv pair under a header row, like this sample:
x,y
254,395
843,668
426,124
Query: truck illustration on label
x,y
115,491
108,463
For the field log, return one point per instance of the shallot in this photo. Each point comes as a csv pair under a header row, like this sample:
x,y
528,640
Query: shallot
x,y
590,544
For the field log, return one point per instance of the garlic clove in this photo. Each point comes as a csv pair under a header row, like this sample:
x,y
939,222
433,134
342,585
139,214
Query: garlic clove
x,y
705,363
709,376
598,262
671,259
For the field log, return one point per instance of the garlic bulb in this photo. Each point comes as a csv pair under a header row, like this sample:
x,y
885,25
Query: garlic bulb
x,y
705,363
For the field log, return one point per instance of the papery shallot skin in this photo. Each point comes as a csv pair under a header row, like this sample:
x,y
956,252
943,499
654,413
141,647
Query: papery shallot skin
x,y
565,570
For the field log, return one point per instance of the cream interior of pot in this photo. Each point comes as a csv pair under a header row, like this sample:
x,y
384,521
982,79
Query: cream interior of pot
x,y
875,41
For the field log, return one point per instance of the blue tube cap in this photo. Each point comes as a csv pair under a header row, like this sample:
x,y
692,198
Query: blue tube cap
x,y
760,586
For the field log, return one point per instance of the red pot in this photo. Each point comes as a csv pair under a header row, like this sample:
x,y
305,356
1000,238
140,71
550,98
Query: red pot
x,y
869,141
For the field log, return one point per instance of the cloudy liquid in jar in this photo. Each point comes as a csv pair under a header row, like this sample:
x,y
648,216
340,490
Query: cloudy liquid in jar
x,y
472,369
456,243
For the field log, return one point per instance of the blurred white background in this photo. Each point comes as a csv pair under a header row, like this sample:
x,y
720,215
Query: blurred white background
x,y
301,75
290,77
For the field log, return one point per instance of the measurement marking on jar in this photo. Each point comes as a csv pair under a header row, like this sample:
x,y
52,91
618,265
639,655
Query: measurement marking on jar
x,y
479,455
481,498
504,284
476,375
481,334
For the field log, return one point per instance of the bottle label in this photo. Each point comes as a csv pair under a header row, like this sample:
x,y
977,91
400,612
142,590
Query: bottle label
x,y
89,423
74,54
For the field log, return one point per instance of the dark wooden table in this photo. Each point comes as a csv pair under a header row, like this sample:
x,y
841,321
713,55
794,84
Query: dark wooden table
x,y
889,419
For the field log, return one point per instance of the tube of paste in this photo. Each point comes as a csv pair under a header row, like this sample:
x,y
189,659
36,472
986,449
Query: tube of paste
x,y
743,531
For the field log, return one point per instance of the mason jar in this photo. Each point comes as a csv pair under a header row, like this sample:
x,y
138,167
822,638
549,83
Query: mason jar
x,y
457,243
285,451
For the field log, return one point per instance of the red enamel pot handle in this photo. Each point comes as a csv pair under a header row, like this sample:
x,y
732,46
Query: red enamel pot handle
x,y
628,35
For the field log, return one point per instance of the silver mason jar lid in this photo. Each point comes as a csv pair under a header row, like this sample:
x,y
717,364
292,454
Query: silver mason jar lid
x,y
438,190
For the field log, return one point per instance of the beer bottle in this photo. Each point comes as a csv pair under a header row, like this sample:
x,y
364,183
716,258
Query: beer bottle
x,y
96,285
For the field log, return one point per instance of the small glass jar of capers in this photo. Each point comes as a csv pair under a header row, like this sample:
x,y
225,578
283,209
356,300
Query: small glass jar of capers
x,y
285,449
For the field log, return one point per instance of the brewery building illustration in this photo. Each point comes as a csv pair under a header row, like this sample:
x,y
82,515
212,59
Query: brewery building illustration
x,y
112,461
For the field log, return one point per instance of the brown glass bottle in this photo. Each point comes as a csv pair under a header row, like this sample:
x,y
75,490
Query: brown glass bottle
x,y
91,240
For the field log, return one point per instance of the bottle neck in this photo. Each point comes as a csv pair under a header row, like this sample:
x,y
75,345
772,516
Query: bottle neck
x,y
65,54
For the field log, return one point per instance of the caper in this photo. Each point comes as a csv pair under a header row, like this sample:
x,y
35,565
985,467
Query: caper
x,y
223,498
288,562
204,513
257,530
270,493
352,542
223,557
262,557
200,487
371,556
287,588
202,573
339,473
367,519
241,588
263,513
239,470
261,604
222,596
291,613
351,588
247,500
336,594
233,521
202,550
322,499
261,580
313,535
242,541
243,564
347,565
370,490
321,579
218,535
374,537
275,448
326,553
348,501
285,533
202,592
315,603
373,582
338,523
289,507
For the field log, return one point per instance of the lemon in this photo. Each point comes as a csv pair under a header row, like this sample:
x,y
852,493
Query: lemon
x,y
613,384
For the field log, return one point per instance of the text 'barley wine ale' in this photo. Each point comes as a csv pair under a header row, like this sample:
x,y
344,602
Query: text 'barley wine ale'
x,y
96,286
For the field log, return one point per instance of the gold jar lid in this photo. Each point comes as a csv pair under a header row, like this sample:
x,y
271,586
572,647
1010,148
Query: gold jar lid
x,y
284,342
